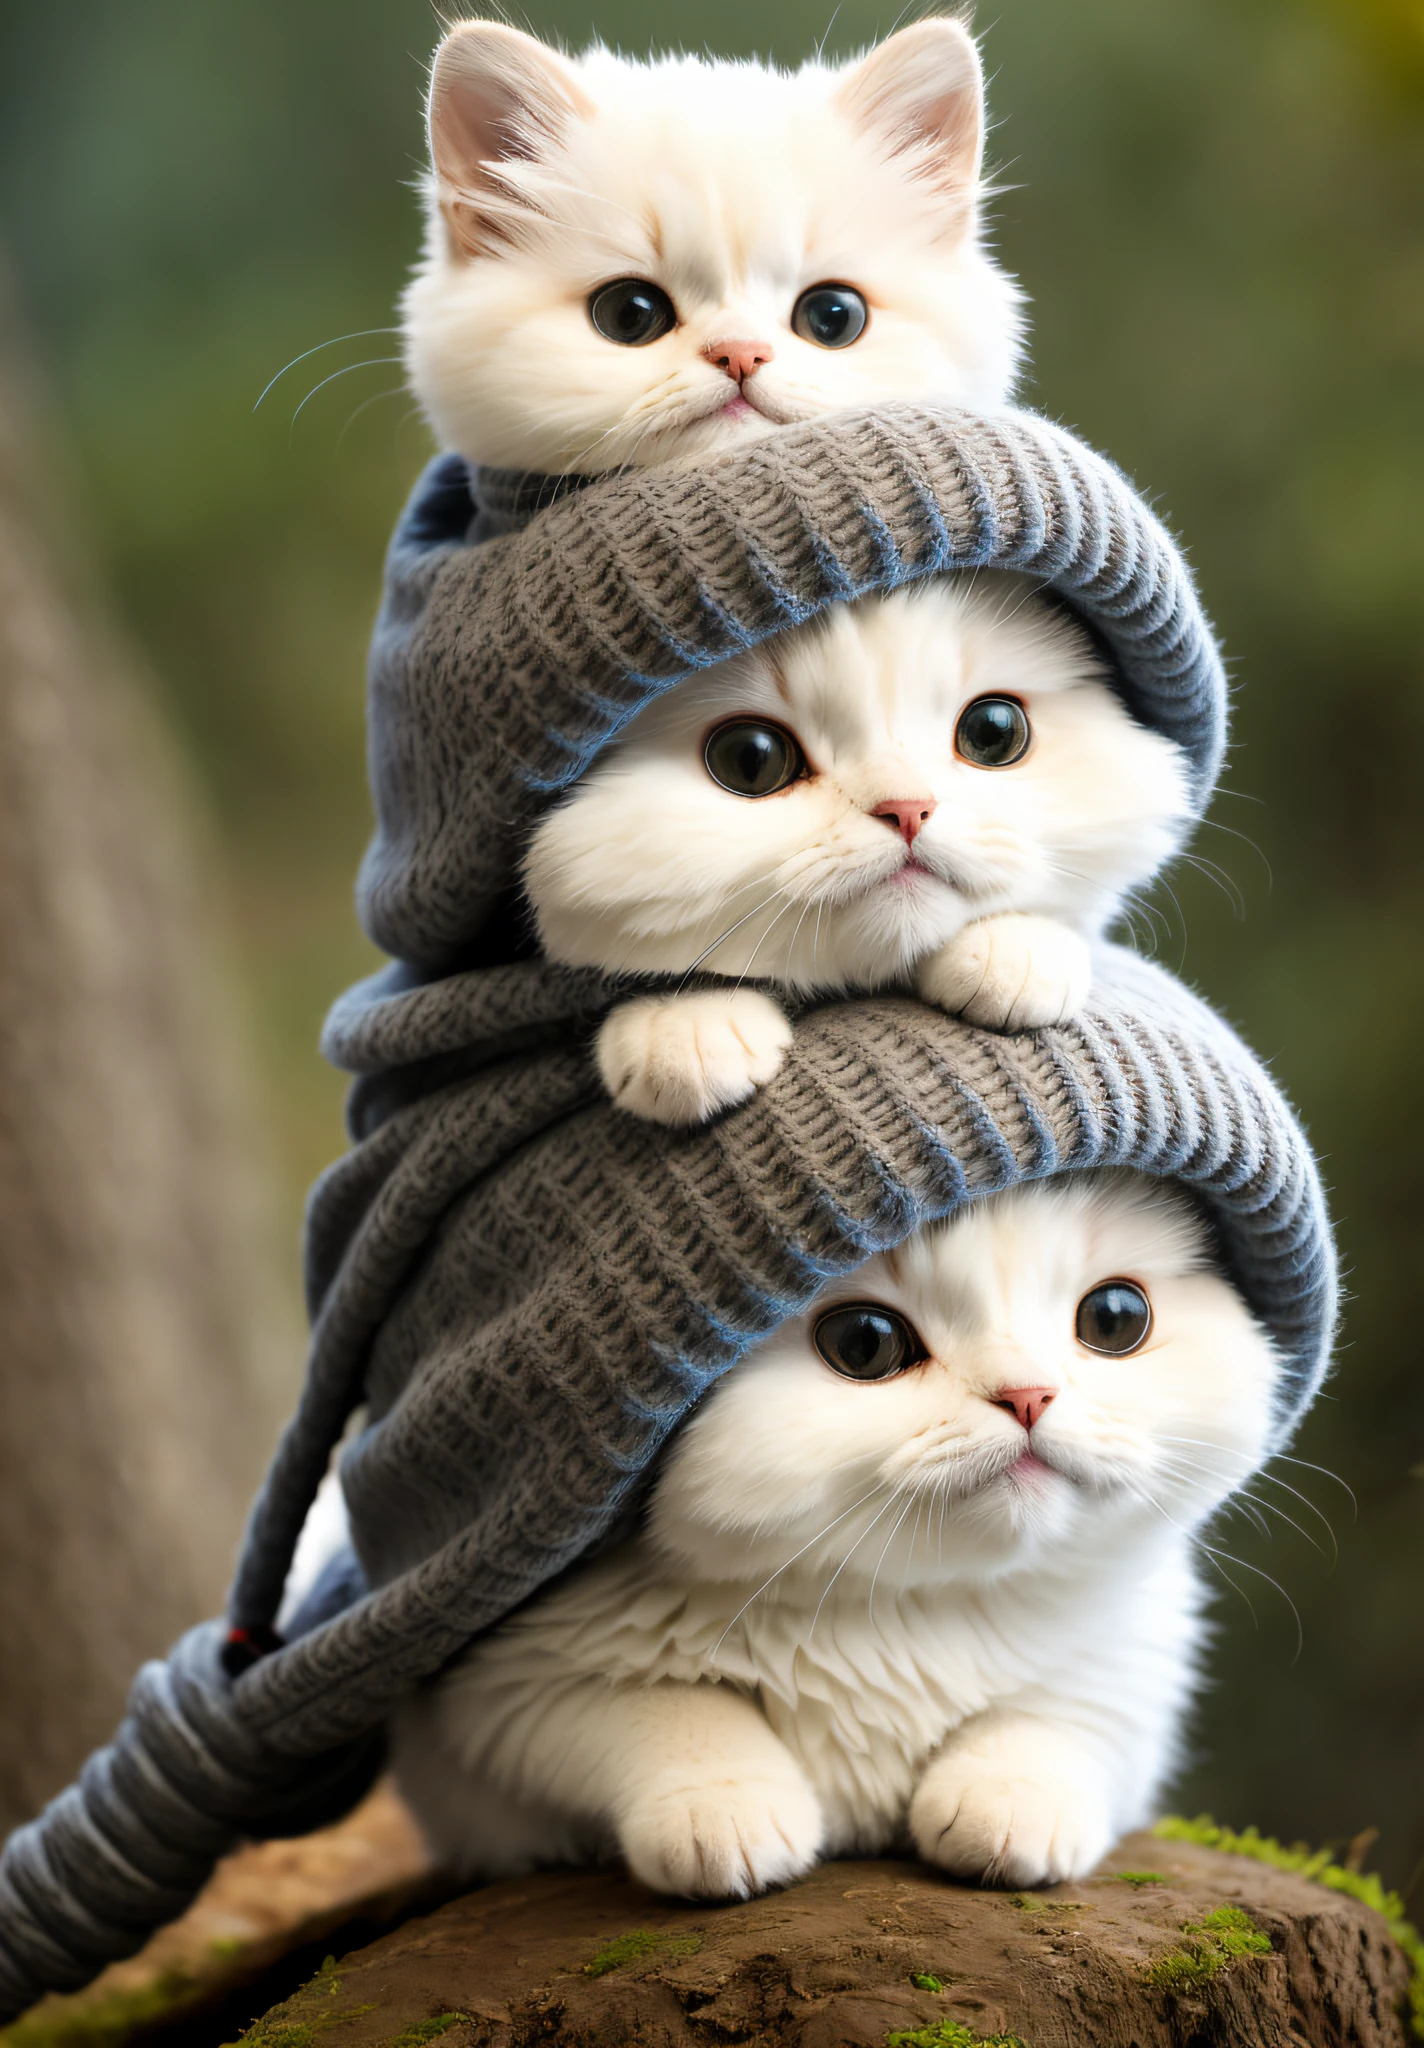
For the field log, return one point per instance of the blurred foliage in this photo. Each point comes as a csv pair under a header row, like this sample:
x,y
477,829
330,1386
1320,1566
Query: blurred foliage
x,y
1216,206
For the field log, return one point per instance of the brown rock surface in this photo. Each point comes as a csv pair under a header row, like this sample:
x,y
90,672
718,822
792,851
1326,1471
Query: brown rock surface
x,y
592,1959
267,1906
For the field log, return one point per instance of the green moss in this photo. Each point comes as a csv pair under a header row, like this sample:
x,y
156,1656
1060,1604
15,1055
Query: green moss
x,y
951,2034
289,2026
111,2019
428,2030
926,1980
106,2022
1138,1878
638,1943
1208,1945
279,2037
1315,1864
269,2033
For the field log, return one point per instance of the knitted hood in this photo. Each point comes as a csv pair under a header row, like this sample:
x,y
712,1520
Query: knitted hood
x,y
528,1289
499,670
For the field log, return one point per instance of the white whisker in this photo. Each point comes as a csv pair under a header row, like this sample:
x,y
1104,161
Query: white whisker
x,y
358,334
722,937
819,1537
396,391
885,1548
371,363
845,1561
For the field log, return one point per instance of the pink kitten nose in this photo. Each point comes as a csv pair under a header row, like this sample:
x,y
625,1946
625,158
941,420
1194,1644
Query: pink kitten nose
x,y
1025,1404
739,359
909,813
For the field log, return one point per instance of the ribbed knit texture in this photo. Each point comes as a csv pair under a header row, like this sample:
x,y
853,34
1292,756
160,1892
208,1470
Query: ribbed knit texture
x,y
529,1288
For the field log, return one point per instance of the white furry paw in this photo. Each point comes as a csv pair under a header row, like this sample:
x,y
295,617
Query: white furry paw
x,y
982,1819
723,1837
1010,973
679,1059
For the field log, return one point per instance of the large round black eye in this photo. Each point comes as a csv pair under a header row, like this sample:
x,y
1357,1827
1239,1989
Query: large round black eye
x,y
751,758
831,315
867,1342
1115,1317
632,311
993,732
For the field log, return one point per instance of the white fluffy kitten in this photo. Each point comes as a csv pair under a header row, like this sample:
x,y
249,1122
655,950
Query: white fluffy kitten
x,y
643,263
934,789
918,1570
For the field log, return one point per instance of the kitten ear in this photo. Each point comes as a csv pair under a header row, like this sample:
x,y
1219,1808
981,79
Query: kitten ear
x,y
496,97
922,90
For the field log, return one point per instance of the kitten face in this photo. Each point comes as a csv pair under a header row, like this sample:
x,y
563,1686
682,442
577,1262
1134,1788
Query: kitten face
x,y
651,864
731,189
929,1475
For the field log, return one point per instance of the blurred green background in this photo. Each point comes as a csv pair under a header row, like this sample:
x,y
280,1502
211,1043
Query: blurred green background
x,y
1218,209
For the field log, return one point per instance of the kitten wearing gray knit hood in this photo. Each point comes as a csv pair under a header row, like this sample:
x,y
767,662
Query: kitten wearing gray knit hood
x,y
916,1574
935,790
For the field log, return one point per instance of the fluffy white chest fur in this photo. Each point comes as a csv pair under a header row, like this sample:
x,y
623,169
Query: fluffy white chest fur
x,y
918,1571
861,1686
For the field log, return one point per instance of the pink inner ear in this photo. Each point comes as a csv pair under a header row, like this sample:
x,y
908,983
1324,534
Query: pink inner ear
x,y
924,86
494,95
494,92
474,122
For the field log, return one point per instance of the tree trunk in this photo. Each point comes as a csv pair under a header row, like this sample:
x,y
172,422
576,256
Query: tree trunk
x,y
146,1355
1188,1949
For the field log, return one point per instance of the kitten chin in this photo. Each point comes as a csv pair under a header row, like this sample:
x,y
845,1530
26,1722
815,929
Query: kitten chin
x,y
953,1603
730,192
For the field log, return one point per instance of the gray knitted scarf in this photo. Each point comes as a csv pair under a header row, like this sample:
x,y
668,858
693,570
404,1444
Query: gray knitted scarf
x,y
527,1289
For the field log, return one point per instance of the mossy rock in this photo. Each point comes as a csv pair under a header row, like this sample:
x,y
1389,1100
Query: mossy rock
x,y
1172,1942
263,1922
